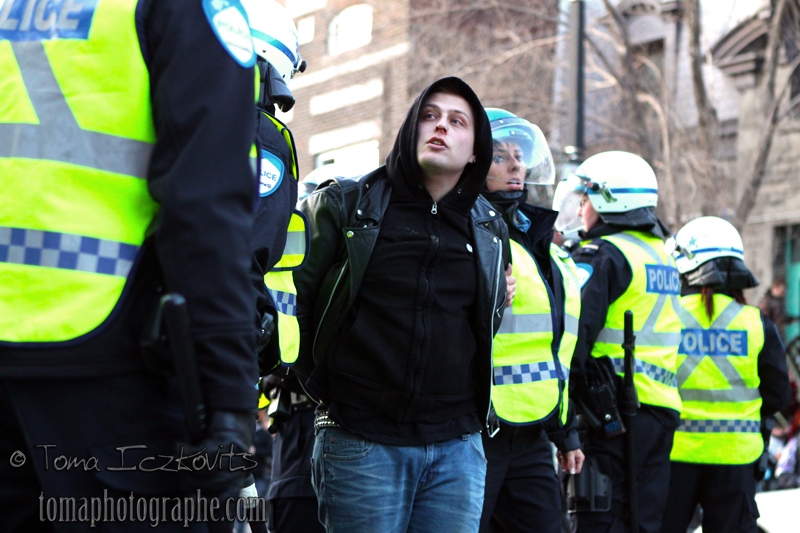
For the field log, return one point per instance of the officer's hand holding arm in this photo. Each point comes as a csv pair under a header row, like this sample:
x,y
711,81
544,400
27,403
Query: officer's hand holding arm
x,y
511,287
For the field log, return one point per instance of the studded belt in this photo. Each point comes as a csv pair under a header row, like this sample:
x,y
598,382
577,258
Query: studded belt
x,y
322,420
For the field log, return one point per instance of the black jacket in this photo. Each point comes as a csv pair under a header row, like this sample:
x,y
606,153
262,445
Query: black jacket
x,y
345,221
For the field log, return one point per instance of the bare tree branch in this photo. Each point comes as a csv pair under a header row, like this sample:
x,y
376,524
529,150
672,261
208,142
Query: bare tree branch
x,y
750,193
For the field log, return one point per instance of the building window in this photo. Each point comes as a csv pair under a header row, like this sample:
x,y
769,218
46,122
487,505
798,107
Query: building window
x,y
298,8
305,30
351,29
355,160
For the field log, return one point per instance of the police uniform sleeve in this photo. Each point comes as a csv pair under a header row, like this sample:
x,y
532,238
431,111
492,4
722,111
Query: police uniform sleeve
x,y
200,174
565,437
772,372
605,275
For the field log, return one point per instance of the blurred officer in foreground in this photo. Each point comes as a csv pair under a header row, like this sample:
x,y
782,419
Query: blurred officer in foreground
x,y
623,266
732,378
125,174
535,343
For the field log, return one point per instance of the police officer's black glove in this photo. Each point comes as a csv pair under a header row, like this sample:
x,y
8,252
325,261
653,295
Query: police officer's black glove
x,y
221,462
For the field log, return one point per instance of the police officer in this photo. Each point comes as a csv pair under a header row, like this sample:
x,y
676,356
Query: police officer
x,y
732,377
623,266
292,502
275,39
535,343
125,131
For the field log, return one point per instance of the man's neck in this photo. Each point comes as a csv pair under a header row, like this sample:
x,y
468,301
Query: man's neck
x,y
439,185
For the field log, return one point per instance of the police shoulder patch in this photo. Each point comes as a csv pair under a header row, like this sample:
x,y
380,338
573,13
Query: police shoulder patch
x,y
272,171
560,252
228,19
585,272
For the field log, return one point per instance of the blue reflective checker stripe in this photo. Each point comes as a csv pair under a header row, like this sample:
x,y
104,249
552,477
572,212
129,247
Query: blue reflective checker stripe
x,y
42,20
656,373
285,302
713,342
663,279
720,426
276,43
526,373
61,250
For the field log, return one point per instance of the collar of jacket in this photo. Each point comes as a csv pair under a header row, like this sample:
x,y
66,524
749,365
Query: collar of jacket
x,y
376,191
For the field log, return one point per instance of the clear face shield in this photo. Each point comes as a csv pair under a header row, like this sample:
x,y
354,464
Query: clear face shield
x,y
520,156
567,201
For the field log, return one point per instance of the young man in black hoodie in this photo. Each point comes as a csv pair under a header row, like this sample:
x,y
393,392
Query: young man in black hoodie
x,y
401,294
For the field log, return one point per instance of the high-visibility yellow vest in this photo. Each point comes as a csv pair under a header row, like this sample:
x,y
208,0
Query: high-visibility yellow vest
x,y
76,134
718,382
531,366
652,296
280,284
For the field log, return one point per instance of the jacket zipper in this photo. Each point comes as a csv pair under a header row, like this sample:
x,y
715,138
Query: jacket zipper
x,y
434,208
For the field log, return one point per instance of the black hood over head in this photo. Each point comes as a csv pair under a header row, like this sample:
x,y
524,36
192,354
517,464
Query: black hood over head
x,y
403,168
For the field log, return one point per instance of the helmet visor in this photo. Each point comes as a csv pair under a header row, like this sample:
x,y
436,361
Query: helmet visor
x,y
567,201
518,142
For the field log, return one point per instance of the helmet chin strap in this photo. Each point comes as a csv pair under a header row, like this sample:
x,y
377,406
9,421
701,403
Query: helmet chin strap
x,y
274,92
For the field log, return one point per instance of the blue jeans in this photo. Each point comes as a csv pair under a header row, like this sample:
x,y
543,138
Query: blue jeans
x,y
367,487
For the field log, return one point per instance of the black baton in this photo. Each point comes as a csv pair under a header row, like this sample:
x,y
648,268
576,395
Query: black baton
x,y
179,335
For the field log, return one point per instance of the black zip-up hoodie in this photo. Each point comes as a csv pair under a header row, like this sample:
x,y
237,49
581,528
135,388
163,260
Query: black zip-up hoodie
x,y
403,366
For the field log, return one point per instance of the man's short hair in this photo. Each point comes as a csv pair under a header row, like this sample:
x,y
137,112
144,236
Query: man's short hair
x,y
453,86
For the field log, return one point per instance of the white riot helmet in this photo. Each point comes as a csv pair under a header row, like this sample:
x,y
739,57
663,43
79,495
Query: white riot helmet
x,y
274,36
512,133
702,240
321,175
615,182
708,251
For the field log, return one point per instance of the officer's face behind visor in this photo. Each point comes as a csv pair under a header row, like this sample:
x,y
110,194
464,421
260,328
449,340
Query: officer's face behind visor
x,y
567,201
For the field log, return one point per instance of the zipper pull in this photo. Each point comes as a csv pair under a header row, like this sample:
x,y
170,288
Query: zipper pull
x,y
434,208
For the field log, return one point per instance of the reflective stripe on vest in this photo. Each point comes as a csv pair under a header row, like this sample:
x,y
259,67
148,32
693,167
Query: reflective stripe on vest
x,y
530,374
718,382
280,284
572,313
294,252
76,135
652,297
287,136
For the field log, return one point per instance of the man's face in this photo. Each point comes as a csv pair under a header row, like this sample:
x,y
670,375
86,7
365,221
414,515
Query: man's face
x,y
587,213
445,135
508,171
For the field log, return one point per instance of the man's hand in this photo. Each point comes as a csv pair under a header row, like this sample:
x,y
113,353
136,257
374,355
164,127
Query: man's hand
x,y
511,287
571,461
219,465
